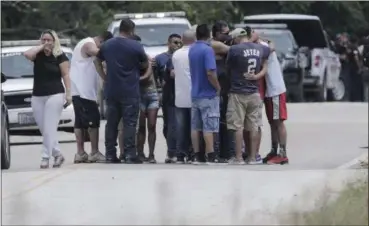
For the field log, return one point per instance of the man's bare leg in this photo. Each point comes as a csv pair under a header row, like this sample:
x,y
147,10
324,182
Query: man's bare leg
x,y
195,139
94,139
80,140
274,136
81,156
254,142
258,140
209,142
95,155
282,136
239,138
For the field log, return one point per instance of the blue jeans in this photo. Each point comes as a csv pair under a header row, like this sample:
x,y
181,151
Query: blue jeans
x,y
205,115
128,110
171,131
183,116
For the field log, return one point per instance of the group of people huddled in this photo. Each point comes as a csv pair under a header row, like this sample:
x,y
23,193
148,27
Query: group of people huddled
x,y
214,82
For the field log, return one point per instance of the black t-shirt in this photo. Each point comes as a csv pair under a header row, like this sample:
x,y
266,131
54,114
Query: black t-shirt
x,y
47,74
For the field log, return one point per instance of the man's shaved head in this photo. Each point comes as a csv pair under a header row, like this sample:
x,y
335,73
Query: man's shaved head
x,y
189,36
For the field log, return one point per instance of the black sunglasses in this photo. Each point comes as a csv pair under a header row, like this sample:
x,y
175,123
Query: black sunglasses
x,y
177,42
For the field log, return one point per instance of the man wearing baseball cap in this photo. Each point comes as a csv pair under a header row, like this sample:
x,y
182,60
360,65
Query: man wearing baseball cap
x,y
246,63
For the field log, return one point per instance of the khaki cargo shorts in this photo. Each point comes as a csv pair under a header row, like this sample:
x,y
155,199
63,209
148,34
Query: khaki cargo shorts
x,y
244,111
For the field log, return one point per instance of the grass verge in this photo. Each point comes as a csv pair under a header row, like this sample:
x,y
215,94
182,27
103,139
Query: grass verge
x,y
348,207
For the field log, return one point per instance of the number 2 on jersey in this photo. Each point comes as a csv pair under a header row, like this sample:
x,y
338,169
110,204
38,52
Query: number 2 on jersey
x,y
251,65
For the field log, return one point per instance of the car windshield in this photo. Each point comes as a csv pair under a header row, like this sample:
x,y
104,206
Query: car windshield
x,y
282,40
156,34
15,65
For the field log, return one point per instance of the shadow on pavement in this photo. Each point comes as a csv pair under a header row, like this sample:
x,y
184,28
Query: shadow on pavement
x,y
39,142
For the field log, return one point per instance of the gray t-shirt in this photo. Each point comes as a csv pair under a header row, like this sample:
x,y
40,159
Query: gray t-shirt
x,y
245,58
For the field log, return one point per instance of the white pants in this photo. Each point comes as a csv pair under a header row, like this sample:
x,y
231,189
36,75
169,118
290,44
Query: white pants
x,y
47,111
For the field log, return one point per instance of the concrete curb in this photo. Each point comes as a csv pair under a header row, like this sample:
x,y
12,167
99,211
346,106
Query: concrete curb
x,y
355,161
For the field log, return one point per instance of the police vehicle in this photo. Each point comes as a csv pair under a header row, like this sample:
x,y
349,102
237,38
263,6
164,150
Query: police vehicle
x,y
18,87
324,68
153,28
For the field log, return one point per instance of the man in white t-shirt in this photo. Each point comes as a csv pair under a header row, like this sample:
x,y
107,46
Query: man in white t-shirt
x,y
180,70
84,87
276,109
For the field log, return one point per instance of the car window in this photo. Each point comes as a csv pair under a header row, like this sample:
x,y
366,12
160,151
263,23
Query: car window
x,y
156,34
283,41
16,65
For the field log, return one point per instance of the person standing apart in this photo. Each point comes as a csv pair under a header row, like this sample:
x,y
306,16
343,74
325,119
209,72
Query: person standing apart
x,y
84,88
180,70
51,65
124,59
205,94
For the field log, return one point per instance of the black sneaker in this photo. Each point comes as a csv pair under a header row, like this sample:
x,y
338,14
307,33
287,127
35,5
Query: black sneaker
x,y
181,160
151,159
211,158
122,158
189,158
245,156
142,157
112,159
221,160
196,159
135,160
170,160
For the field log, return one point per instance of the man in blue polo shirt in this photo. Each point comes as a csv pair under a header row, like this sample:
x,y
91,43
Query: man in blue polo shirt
x,y
124,59
205,94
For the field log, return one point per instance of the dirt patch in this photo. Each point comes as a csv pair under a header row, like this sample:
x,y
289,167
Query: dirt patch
x,y
347,207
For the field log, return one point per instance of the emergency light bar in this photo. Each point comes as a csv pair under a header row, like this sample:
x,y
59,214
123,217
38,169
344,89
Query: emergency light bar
x,y
149,15
30,43
262,26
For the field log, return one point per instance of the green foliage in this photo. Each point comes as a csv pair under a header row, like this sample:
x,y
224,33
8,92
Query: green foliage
x,y
21,20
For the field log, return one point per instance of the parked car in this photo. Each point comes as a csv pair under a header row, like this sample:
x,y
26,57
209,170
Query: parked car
x,y
18,88
293,61
324,68
5,141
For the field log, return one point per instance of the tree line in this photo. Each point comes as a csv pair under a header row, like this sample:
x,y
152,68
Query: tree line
x,y
25,20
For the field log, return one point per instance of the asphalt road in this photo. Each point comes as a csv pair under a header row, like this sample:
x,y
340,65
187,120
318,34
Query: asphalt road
x,y
321,137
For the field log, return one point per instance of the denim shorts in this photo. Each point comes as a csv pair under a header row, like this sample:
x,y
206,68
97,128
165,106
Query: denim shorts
x,y
205,114
149,101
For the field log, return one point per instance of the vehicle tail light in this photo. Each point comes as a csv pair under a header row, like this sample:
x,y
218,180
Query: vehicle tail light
x,y
317,61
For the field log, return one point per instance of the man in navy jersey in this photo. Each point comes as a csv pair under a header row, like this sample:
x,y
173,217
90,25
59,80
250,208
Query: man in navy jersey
x,y
246,63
